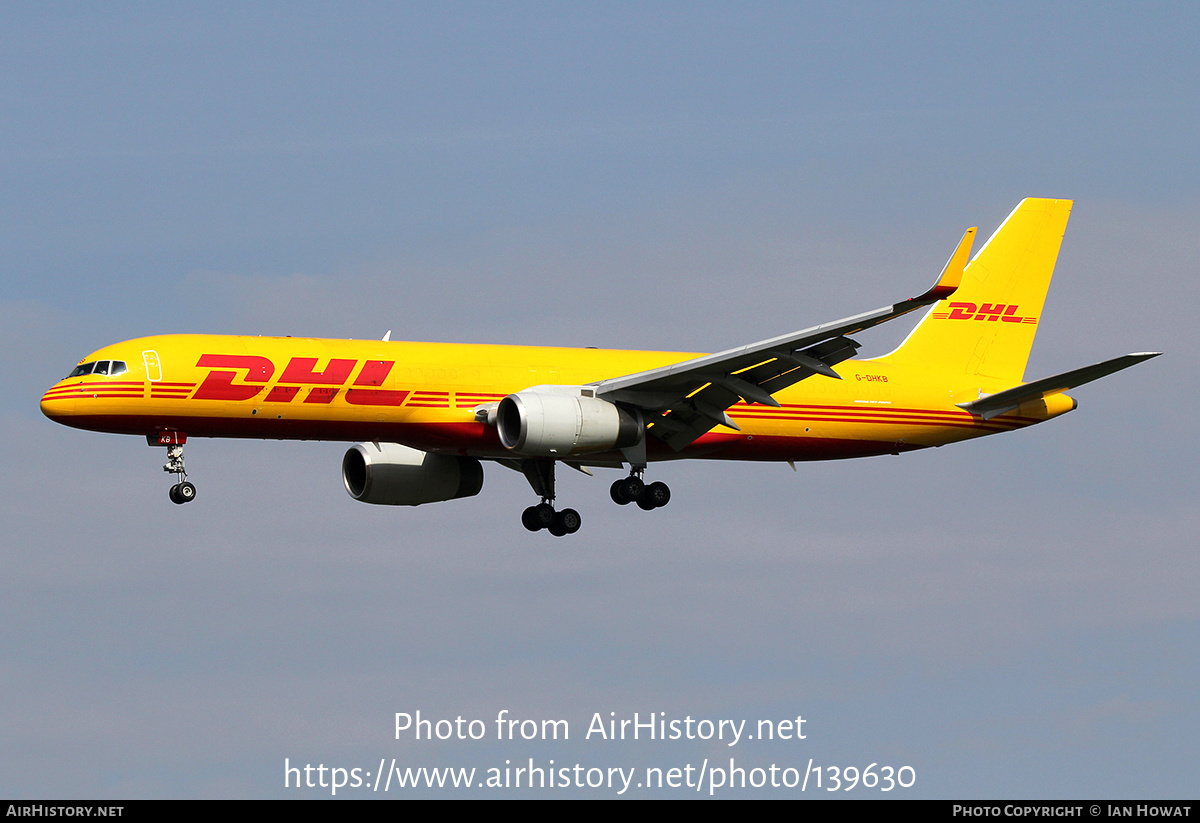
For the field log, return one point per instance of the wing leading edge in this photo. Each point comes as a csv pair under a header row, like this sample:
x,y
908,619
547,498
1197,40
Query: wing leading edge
x,y
684,400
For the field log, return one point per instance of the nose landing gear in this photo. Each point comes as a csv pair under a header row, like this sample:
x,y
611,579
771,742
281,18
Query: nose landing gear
x,y
183,491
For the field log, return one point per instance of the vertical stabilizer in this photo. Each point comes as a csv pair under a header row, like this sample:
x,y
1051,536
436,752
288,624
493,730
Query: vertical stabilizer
x,y
987,326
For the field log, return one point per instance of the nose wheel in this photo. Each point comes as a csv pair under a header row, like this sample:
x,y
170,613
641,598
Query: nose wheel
x,y
182,493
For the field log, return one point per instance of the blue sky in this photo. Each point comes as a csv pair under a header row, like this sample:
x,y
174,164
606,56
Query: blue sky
x,y
1015,616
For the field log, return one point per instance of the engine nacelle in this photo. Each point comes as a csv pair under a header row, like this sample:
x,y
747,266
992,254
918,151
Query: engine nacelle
x,y
395,475
561,424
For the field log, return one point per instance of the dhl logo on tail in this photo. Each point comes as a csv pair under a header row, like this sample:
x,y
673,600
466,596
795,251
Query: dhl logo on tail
x,y
988,311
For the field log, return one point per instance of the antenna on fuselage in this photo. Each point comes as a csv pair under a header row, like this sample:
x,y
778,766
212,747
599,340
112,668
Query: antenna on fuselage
x,y
387,337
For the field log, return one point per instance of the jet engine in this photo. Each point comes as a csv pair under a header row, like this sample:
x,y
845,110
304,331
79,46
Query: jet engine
x,y
395,475
550,424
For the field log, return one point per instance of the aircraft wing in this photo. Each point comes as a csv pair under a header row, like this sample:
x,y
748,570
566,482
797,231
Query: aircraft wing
x,y
991,405
684,400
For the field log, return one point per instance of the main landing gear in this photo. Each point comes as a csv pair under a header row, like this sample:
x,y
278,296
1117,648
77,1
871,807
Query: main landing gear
x,y
632,489
183,491
543,516
540,474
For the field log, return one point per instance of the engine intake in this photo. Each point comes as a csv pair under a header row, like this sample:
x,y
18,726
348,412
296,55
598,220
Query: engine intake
x,y
545,424
393,475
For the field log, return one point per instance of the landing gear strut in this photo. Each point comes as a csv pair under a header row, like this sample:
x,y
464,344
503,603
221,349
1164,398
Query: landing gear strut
x,y
540,474
183,491
633,489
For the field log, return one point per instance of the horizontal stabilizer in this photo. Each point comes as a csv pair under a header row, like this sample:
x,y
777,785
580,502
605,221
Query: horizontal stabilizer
x,y
1007,400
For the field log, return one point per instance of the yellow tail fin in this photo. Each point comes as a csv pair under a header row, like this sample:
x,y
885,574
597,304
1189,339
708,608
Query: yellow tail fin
x,y
987,326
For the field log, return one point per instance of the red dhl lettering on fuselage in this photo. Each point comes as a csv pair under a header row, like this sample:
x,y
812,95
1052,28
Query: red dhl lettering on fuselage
x,y
984,311
244,376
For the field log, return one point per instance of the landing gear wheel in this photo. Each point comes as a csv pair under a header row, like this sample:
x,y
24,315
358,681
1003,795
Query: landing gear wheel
x,y
174,494
536,518
186,493
631,487
654,496
568,520
615,491
543,515
529,519
565,522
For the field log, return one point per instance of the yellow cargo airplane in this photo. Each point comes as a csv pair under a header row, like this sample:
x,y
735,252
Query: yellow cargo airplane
x,y
426,414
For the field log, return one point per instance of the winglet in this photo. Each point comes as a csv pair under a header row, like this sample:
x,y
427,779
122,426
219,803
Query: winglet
x,y
952,273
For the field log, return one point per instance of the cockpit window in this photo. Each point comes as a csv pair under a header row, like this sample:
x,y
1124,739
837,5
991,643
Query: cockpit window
x,y
105,367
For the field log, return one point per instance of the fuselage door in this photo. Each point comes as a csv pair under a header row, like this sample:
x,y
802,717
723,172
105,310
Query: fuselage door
x,y
153,367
